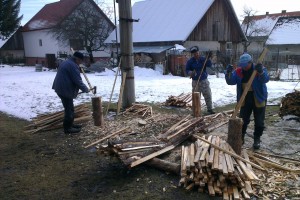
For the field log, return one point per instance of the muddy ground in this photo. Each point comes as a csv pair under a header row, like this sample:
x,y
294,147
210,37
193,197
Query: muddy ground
x,y
52,165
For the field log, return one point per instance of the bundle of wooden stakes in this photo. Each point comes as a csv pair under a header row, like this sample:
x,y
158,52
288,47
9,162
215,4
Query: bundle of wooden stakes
x,y
207,167
183,100
138,109
53,121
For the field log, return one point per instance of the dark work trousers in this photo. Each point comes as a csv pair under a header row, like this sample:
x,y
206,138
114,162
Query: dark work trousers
x,y
258,112
69,112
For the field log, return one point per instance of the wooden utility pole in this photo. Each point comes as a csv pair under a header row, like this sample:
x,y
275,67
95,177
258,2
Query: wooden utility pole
x,y
126,49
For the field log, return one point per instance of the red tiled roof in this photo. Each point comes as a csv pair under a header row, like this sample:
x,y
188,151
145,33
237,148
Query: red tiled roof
x,y
51,14
275,15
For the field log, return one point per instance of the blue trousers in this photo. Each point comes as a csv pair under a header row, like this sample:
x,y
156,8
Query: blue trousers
x,y
258,112
69,112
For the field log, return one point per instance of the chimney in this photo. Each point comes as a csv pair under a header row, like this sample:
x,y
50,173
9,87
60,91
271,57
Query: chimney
x,y
267,13
283,11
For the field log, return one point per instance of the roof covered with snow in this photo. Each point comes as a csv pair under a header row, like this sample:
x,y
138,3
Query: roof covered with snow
x,y
51,14
286,31
165,20
266,22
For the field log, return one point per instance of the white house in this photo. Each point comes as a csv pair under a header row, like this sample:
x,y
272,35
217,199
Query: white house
x,y
39,44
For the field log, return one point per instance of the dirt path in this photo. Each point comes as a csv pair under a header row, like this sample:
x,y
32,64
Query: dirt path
x,y
51,165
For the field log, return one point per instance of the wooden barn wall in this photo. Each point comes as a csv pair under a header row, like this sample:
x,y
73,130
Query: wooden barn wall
x,y
218,24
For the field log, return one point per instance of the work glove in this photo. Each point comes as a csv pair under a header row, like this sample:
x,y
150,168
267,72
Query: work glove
x,y
229,69
192,73
259,68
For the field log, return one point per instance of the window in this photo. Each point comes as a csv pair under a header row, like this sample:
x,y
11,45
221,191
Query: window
x,y
40,42
76,44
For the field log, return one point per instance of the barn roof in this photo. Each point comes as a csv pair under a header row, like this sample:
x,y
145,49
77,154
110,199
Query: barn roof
x,y
53,13
286,31
165,20
268,21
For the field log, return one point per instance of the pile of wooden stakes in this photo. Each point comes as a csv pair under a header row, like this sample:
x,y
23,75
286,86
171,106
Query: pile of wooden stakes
x,y
183,100
206,166
53,121
138,109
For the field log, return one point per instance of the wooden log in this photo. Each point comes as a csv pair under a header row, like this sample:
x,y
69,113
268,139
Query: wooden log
x,y
164,165
97,111
196,104
235,134
124,74
106,137
230,153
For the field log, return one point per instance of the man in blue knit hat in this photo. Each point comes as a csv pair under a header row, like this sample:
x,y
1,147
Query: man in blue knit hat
x,y
256,98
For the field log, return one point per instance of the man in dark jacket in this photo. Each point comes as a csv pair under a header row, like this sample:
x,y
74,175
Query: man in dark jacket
x,y
256,97
66,84
194,67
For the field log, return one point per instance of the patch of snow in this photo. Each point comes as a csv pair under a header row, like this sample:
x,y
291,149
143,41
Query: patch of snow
x,y
25,93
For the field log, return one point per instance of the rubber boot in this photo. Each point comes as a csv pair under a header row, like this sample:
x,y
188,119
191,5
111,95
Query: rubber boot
x,y
256,144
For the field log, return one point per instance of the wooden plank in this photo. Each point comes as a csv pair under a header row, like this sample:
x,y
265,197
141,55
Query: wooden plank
x,y
211,152
198,151
205,149
153,155
245,194
140,147
187,158
236,194
183,166
230,153
192,155
244,153
215,165
248,187
211,190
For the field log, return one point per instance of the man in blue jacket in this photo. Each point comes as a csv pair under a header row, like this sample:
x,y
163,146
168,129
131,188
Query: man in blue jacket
x,y
193,69
66,84
256,98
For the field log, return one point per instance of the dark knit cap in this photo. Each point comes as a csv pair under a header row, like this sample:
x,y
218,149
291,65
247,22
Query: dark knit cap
x,y
79,55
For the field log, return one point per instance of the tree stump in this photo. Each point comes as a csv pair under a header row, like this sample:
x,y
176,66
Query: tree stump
x,y
196,104
97,111
235,134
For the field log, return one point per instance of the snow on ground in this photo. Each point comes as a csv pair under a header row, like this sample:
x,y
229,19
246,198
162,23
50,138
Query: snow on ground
x,y
25,93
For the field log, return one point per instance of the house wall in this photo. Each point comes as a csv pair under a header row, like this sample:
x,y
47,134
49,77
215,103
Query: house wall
x,y
36,53
12,53
218,24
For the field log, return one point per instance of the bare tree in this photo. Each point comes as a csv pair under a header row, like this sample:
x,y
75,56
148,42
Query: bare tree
x,y
252,30
87,26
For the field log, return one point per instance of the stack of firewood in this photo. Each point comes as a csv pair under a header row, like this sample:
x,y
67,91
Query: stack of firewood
x,y
183,100
131,150
207,167
290,104
138,109
53,121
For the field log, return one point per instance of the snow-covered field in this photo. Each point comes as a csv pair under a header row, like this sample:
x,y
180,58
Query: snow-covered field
x,y
25,93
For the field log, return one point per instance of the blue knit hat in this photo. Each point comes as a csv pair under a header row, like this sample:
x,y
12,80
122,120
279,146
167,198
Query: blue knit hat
x,y
244,60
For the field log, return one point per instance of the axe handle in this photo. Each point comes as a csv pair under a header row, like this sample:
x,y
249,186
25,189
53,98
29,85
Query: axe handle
x,y
86,78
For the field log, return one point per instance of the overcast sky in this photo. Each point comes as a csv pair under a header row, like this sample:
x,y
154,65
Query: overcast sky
x,y
30,7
